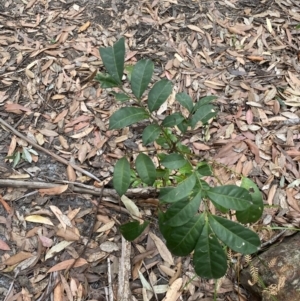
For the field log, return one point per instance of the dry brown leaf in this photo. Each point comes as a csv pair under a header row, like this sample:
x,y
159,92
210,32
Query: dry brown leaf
x,y
38,219
63,219
71,174
82,152
174,291
4,246
48,133
15,108
58,97
84,27
61,116
57,248
19,257
68,234
162,249
66,264
195,28
53,191
83,133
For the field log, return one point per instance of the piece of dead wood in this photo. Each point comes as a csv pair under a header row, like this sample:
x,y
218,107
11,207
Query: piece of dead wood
x,y
135,193
40,148
124,292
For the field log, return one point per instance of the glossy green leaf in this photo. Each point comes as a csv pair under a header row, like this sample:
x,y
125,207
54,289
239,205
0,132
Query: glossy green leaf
x,y
173,161
182,240
113,59
121,177
254,212
230,197
151,133
159,94
203,114
172,195
235,236
204,101
209,258
126,116
145,169
133,230
120,96
128,70
204,186
183,125
106,81
204,169
141,77
181,212
172,120
185,100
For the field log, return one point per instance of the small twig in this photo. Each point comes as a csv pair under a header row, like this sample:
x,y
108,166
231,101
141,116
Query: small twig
x,y
56,157
142,193
273,239
15,126
110,291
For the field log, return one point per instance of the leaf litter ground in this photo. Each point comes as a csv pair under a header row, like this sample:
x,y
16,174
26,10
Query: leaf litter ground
x,y
57,237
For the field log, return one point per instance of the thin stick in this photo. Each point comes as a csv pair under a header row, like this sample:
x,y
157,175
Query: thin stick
x,y
56,157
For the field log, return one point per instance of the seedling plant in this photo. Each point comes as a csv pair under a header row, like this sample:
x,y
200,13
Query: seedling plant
x,y
187,223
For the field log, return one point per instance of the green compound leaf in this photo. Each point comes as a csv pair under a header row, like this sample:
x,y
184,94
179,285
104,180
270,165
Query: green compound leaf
x,y
185,100
182,240
145,169
151,133
133,230
126,116
254,212
113,59
106,81
173,161
172,120
234,235
209,258
230,197
203,114
159,94
172,195
121,177
141,77
181,212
